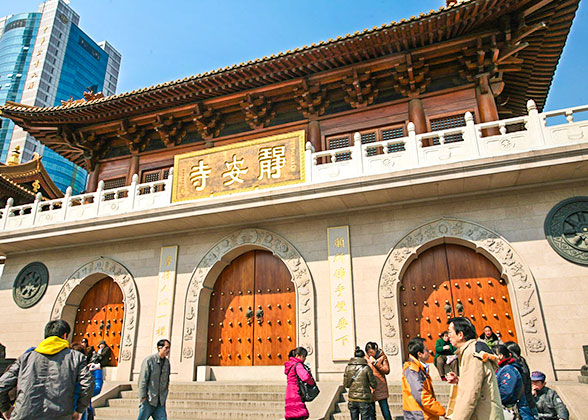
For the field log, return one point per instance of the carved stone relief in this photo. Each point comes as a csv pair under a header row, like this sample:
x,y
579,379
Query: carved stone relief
x,y
282,249
128,287
566,229
30,285
521,283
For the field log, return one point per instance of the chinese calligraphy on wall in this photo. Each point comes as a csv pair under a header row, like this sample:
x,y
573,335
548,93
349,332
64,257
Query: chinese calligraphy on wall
x,y
244,166
165,294
341,289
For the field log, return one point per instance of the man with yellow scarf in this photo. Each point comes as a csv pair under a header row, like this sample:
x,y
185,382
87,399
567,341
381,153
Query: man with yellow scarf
x,y
46,378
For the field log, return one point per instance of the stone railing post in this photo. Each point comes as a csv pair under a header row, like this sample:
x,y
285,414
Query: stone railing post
x,y
169,185
66,202
357,155
471,134
133,190
36,205
308,161
412,146
535,126
98,196
9,204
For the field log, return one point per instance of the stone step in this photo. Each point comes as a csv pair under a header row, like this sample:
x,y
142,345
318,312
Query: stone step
x,y
207,404
223,387
397,398
214,395
119,413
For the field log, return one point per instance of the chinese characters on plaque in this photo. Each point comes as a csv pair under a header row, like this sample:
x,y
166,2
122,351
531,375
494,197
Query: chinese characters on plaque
x,y
263,163
341,289
166,284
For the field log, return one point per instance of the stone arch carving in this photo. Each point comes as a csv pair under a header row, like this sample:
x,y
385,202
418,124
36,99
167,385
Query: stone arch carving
x,y
520,282
76,286
220,255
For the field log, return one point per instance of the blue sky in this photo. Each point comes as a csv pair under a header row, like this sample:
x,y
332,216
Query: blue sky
x,y
162,41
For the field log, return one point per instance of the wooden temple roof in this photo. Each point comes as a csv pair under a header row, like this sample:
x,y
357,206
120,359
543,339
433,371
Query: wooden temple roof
x,y
19,178
518,42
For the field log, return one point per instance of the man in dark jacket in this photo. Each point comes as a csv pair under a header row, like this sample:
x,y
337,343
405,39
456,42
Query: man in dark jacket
x,y
360,380
46,378
154,383
549,404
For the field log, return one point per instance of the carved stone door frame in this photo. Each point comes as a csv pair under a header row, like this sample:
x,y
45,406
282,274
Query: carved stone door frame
x,y
74,289
521,285
209,268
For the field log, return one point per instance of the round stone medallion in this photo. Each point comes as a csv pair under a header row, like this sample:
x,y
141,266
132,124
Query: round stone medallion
x,y
566,229
30,285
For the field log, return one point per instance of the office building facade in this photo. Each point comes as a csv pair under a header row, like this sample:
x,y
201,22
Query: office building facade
x,y
46,58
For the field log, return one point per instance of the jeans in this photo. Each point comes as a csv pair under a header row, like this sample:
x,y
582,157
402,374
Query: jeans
x,y
146,410
366,409
385,409
524,410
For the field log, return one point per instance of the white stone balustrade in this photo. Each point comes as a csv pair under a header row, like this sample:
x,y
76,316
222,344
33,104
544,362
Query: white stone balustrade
x,y
134,197
470,142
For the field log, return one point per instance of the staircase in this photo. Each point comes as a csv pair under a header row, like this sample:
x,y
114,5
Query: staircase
x,y
394,401
206,401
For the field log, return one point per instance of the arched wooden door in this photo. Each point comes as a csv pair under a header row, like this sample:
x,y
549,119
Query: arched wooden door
x,y
100,317
451,280
252,314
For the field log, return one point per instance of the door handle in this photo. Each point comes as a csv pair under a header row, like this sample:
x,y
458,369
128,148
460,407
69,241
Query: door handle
x,y
108,325
249,315
448,309
259,315
101,325
459,308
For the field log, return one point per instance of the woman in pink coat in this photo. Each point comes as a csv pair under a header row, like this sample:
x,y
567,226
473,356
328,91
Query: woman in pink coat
x,y
295,408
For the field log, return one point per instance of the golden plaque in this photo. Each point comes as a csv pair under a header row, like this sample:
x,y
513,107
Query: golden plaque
x,y
262,163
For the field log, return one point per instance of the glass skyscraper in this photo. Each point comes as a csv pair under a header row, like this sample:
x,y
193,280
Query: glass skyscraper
x,y
45,58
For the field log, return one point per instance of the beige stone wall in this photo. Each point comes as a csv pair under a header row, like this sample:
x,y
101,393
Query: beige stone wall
x,y
516,216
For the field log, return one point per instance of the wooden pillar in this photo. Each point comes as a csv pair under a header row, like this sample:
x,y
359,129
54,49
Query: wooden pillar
x,y
133,168
416,114
486,105
314,135
93,179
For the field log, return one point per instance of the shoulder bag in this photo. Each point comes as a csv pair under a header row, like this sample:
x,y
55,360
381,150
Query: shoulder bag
x,y
307,392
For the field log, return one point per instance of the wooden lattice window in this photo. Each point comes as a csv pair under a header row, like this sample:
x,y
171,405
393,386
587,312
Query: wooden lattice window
x,y
338,142
152,176
444,123
110,184
367,137
155,175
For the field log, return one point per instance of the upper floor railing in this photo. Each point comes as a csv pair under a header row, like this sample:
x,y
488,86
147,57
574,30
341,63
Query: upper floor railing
x,y
472,141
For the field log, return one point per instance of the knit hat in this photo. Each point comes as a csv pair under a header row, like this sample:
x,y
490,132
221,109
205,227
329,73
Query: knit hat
x,y
538,376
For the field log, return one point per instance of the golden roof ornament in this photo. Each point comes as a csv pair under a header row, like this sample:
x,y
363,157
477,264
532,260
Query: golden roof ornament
x,y
88,96
36,185
14,158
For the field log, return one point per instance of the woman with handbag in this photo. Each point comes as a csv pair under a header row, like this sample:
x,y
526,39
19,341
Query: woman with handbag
x,y
378,361
295,371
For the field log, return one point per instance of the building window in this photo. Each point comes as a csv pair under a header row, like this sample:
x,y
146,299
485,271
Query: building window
x,y
16,24
86,45
110,184
444,123
369,136
152,176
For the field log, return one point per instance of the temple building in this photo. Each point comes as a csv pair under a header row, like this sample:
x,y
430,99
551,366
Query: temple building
x,y
364,188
